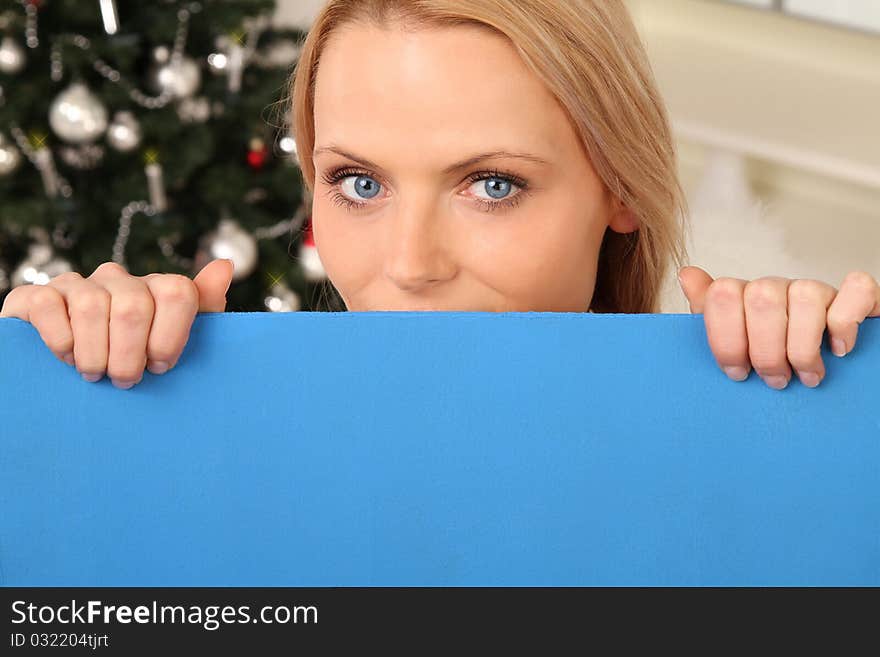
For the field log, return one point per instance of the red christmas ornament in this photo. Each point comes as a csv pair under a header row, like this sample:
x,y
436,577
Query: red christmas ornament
x,y
309,235
311,263
258,153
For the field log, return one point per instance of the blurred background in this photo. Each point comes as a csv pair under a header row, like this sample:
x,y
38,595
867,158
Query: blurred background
x,y
775,107
774,104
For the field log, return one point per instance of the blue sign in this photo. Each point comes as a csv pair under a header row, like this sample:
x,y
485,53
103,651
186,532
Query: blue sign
x,y
423,448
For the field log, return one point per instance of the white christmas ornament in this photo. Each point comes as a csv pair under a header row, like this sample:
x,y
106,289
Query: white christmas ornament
x,y
231,241
77,116
39,267
180,77
282,299
12,57
217,62
288,146
309,258
9,156
124,133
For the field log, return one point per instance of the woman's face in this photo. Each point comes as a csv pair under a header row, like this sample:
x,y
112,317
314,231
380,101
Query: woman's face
x,y
416,215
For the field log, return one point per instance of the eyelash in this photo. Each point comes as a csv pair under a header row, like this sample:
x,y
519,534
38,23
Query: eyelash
x,y
337,175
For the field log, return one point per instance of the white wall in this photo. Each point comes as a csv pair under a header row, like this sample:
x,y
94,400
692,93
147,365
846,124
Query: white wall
x,y
862,14
297,12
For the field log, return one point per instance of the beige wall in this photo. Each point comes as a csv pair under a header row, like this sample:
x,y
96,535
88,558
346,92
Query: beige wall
x,y
792,106
297,12
778,140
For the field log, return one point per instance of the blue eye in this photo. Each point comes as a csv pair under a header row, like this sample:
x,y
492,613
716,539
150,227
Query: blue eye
x,y
356,185
497,188
363,186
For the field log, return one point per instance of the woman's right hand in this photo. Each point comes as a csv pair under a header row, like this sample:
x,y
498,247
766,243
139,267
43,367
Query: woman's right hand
x,y
117,324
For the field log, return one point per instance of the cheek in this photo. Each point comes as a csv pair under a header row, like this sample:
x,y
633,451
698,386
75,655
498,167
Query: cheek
x,y
553,248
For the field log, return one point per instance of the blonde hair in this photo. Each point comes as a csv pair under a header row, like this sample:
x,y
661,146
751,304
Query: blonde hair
x,y
590,56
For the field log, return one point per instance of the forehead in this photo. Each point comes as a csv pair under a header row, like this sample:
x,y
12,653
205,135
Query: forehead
x,y
443,89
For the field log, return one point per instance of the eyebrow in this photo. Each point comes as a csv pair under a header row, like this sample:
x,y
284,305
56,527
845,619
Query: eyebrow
x,y
450,169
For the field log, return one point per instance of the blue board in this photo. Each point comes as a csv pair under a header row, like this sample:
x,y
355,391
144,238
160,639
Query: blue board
x,y
319,449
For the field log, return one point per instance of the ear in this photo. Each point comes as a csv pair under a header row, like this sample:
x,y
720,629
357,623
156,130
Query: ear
x,y
622,219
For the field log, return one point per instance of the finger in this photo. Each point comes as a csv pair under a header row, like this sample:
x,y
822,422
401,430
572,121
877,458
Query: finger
x,y
131,315
695,283
177,303
213,283
726,327
858,298
766,306
808,302
88,307
44,307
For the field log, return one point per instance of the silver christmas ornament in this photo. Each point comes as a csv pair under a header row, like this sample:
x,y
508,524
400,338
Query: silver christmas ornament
x,y
180,77
77,115
161,54
124,133
231,241
39,267
9,156
287,144
217,63
12,58
230,61
281,299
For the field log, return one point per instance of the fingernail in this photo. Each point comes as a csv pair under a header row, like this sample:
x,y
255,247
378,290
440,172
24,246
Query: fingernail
x,y
737,373
123,385
809,379
838,347
157,366
68,358
91,378
777,382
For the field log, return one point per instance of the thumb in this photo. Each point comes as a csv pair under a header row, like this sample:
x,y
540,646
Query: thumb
x,y
213,283
694,283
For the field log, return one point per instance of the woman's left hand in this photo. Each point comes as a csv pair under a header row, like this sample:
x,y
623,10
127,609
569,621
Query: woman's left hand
x,y
775,323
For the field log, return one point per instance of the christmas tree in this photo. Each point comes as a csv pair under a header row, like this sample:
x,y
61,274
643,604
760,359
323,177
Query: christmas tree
x,y
153,134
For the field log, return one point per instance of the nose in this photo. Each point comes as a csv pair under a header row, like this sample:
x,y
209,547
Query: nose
x,y
418,254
